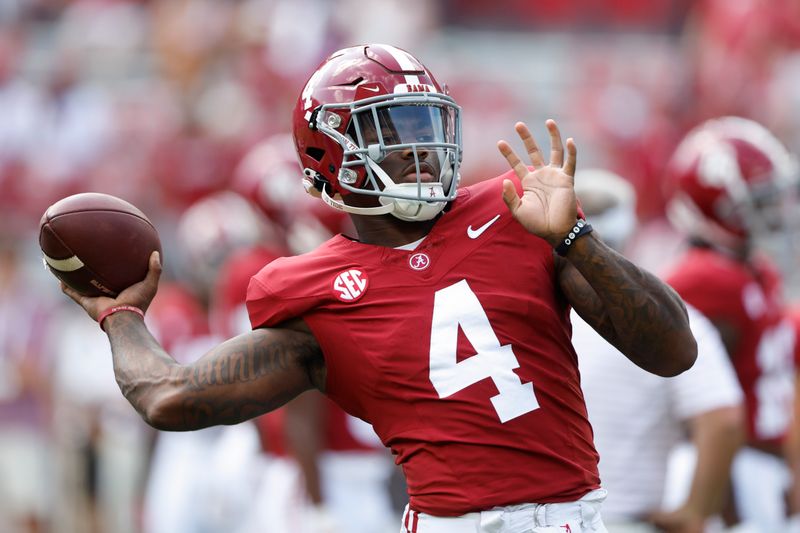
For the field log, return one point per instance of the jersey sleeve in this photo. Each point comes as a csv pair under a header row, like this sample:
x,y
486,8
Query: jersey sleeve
x,y
268,301
263,307
711,383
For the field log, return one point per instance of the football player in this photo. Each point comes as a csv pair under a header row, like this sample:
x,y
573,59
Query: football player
x,y
444,321
732,181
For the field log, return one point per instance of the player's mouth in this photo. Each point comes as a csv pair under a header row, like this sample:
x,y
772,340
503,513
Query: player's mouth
x,y
426,173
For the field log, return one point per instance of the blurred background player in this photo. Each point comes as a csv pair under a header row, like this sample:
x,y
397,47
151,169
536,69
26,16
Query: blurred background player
x,y
202,481
267,176
100,449
792,443
26,451
322,468
732,192
634,442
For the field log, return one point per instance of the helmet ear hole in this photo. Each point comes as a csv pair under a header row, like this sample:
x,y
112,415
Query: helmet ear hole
x,y
315,153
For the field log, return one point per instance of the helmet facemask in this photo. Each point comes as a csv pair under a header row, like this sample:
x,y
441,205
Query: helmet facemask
x,y
774,222
424,127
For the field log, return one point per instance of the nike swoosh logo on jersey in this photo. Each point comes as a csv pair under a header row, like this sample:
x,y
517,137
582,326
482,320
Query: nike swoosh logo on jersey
x,y
475,233
372,89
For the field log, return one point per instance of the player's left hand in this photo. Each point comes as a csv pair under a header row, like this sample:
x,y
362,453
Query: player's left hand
x,y
548,207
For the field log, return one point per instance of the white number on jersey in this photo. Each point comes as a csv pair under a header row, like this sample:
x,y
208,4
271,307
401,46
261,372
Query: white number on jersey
x,y
457,306
775,386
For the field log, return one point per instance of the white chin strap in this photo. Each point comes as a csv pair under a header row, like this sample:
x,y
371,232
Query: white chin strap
x,y
404,209
413,210
341,206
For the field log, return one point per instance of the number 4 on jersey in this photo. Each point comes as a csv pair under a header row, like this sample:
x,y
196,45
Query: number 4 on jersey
x,y
456,306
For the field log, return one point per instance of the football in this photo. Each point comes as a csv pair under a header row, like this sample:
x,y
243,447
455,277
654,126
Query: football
x,y
96,243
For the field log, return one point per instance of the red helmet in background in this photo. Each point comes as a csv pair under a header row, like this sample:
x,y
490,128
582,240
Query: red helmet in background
x,y
730,180
363,103
270,177
214,227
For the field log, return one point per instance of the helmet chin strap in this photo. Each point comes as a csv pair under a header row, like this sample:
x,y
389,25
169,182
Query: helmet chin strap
x,y
408,210
412,210
341,206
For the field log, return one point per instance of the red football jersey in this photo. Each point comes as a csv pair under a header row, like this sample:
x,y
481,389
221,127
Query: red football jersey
x,y
458,353
747,298
229,318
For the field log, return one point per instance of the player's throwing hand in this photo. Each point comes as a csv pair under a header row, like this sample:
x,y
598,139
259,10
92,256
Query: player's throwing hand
x,y
138,295
548,207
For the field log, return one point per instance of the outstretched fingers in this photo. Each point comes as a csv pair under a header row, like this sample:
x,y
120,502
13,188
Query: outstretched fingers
x,y
556,148
520,168
516,164
530,144
557,159
572,156
510,196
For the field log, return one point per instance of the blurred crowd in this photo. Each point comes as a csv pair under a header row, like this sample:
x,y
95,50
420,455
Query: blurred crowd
x,y
181,107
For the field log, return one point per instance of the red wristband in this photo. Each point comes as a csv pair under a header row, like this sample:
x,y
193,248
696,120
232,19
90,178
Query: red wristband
x,y
111,310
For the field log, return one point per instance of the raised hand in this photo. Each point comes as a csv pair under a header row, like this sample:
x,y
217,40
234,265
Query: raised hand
x,y
548,207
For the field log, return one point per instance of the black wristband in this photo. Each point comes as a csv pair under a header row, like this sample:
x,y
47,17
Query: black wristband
x,y
580,229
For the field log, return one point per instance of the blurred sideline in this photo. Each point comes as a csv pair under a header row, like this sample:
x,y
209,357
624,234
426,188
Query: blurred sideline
x,y
159,102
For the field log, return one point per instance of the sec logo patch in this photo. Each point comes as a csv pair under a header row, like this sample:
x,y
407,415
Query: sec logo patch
x,y
350,285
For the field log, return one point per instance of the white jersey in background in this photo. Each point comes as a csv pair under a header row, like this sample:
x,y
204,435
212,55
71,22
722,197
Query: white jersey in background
x,y
638,417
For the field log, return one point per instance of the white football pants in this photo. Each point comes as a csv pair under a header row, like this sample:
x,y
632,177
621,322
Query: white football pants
x,y
581,516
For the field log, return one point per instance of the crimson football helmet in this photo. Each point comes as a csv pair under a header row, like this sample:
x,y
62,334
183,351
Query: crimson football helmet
x,y
731,180
364,103
214,227
268,176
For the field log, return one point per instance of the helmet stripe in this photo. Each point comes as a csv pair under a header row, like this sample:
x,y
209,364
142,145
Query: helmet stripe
x,y
405,61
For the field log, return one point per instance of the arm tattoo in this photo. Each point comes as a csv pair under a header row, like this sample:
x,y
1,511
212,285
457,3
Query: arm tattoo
x,y
634,310
237,380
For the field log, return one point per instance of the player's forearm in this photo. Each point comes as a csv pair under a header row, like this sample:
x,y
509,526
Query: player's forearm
x,y
144,372
791,453
717,435
641,315
235,381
